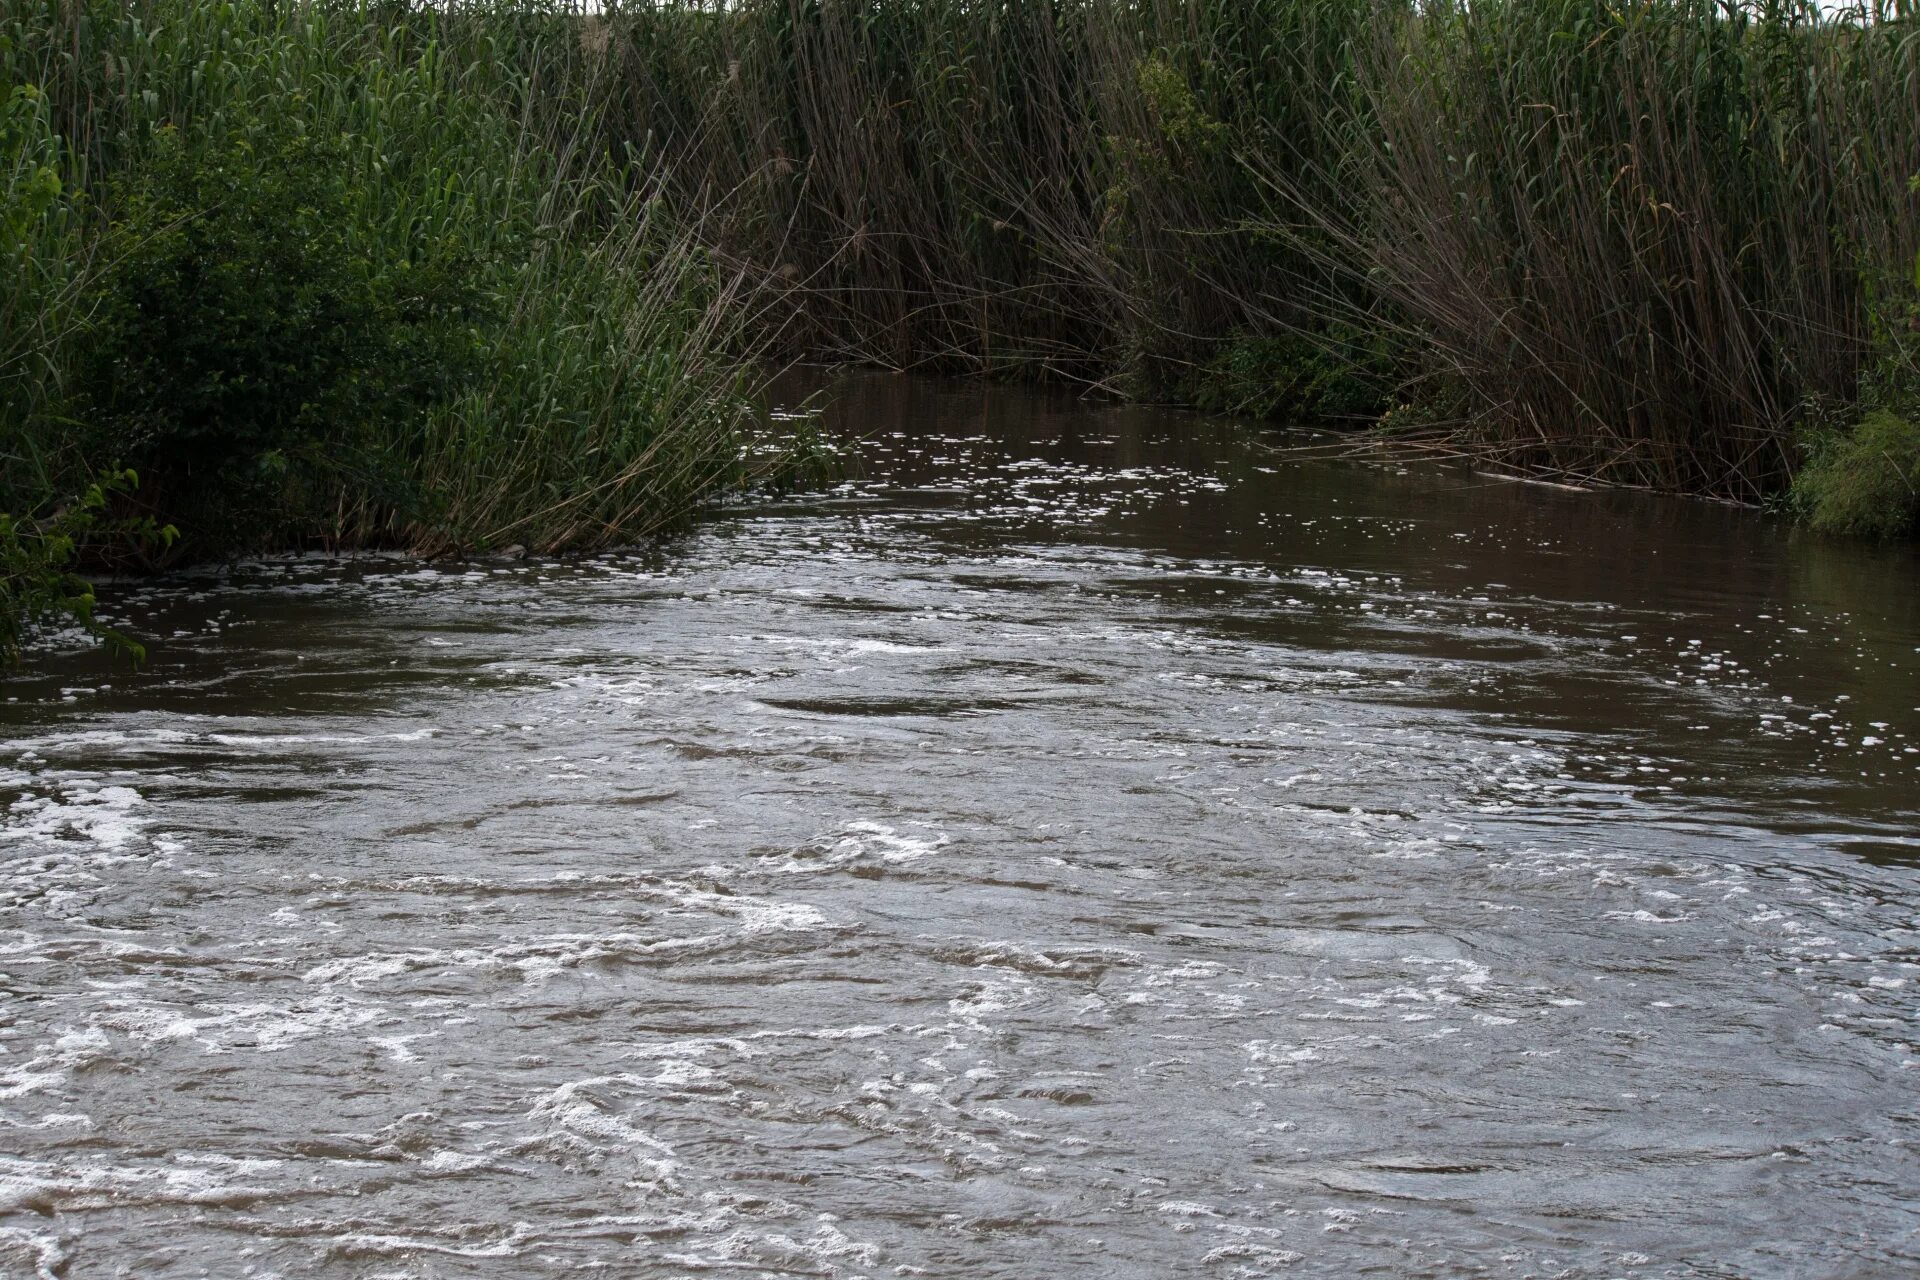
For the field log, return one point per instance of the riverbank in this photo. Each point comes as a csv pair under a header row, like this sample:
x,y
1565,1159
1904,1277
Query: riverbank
x,y
1670,244
486,274
338,277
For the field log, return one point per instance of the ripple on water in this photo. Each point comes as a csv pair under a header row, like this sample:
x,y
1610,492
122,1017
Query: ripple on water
x,y
1092,842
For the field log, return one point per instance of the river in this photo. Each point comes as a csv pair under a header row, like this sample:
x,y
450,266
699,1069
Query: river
x,y
1087,843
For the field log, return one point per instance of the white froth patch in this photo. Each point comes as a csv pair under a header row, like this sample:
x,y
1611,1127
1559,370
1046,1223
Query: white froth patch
x,y
1644,916
694,1048
252,1027
24,1253
103,815
456,1161
363,1242
55,1062
253,742
30,1078
997,996
754,915
1285,1056
575,1109
1258,1256
839,644
865,841
44,1186
825,1247
396,1046
845,1033
539,960
94,739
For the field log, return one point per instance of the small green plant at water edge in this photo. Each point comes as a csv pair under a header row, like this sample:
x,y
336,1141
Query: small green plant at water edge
x,y
37,582
1331,378
1865,482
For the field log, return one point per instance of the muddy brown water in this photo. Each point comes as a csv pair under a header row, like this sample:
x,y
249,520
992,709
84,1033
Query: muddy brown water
x,y
1088,843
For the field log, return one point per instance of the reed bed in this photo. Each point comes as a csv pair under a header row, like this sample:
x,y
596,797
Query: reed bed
x,y
1641,242
460,274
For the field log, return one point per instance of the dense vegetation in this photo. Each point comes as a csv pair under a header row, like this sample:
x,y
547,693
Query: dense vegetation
x,y
458,275
320,274
1647,242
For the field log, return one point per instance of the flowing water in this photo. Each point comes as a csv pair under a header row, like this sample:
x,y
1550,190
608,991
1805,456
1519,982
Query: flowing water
x,y
1089,843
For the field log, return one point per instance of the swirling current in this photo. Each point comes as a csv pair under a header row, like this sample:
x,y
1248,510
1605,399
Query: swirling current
x,y
1087,843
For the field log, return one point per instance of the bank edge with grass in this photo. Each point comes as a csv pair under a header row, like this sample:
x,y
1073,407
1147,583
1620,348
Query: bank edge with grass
x,y
452,276
340,276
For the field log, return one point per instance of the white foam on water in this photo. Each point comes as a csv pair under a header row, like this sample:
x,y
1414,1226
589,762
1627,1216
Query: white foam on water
x,y
696,1047
757,915
858,842
838,644
104,815
257,741
27,1253
826,1247
54,1063
54,1120
874,837
574,1109
357,1243
249,1027
1643,916
45,1186
841,1033
540,960
1188,1209
1256,1260
1000,994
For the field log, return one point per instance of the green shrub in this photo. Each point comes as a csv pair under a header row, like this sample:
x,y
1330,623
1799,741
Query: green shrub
x,y
37,582
1329,378
39,261
246,342
357,275
1865,482
610,402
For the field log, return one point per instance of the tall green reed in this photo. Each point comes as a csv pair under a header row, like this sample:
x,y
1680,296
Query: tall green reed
x,y
1636,241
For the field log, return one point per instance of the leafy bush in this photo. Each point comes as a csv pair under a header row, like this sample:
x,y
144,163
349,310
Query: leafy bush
x,y
610,397
37,583
347,275
1332,378
246,341
1865,482
39,261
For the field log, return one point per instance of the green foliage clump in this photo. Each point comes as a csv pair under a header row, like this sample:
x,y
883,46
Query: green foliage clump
x,y
1317,379
245,343
30,187
37,581
1181,122
1864,482
604,398
346,275
39,261
1891,379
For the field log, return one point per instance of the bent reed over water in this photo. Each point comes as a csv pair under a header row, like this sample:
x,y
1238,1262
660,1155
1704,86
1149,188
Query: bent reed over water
x,y
460,276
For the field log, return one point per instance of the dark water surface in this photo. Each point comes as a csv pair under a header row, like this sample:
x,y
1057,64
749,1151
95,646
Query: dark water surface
x,y
1091,844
